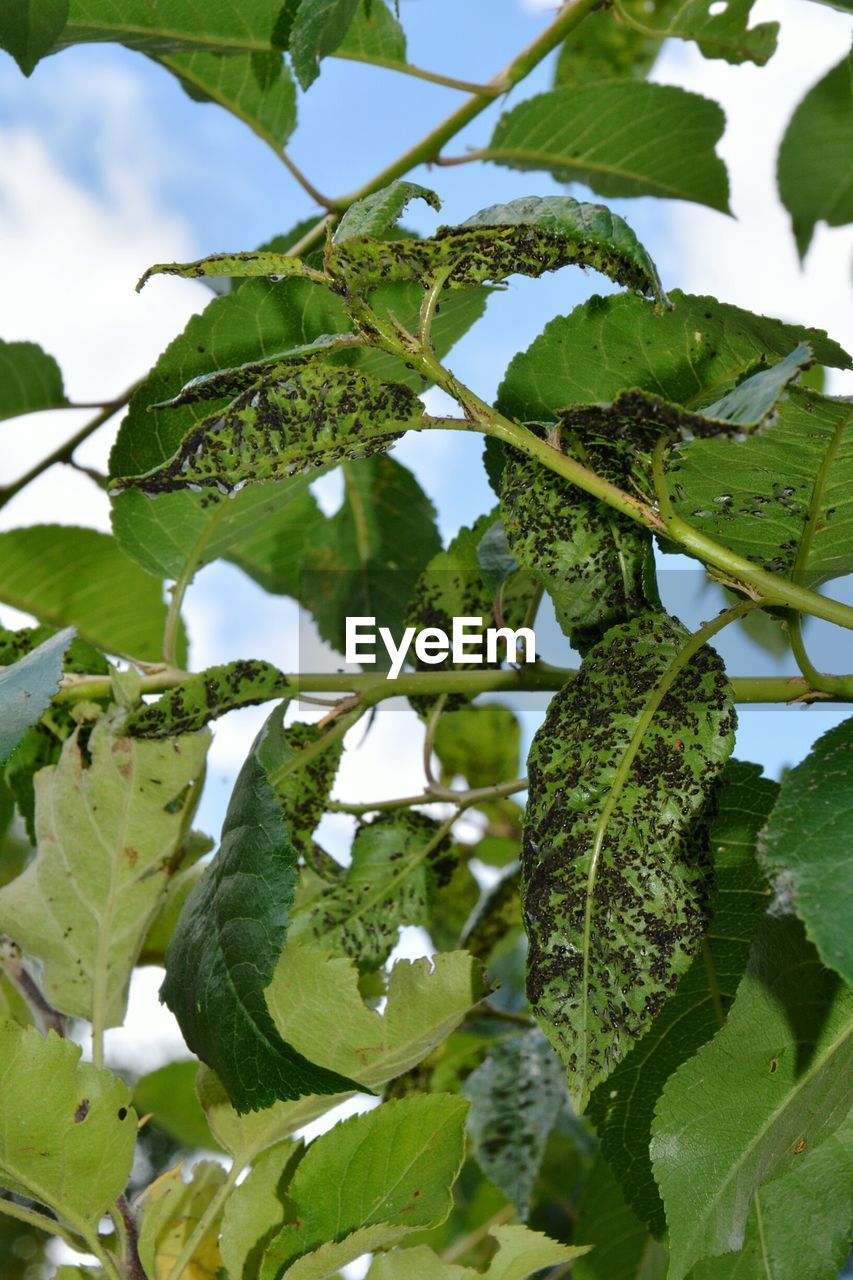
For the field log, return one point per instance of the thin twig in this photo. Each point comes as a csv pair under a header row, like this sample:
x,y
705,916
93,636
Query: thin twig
x,y
65,451
435,715
133,1267
46,1017
434,795
304,182
419,73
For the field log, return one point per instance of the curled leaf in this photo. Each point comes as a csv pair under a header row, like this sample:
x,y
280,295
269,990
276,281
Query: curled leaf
x,y
528,236
308,416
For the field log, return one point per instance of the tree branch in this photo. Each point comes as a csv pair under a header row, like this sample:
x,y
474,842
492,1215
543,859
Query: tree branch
x,y
65,451
537,677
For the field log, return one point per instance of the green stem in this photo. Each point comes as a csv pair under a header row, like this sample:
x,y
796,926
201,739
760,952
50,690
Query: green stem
x,y
42,1222
419,73
430,304
429,148
835,686
209,1216
305,184
538,677
64,452
434,795
773,590
429,738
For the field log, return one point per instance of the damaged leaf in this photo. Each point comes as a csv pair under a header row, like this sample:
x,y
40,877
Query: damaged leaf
x,y
615,868
109,820
309,417
205,696
527,236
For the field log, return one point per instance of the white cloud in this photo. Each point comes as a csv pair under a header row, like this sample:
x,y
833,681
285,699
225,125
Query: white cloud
x,y
752,260
71,250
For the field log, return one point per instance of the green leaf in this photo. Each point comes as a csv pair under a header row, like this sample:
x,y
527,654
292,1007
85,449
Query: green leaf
x,y
318,28
364,560
28,30
771,1085
496,917
450,906
181,884
814,169
266,264
26,688
165,26
453,585
528,236
623,1248
272,552
719,34
170,1210
396,862
255,87
622,1109
309,417
520,1253
226,944
184,529
691,355
258,321
392,1170
205,696
302,790
606,46
30,379
378,214
615,869
516,1096
798,1227
596,565
245,1136
805,843
78,577
315,1001
255,1210
228,383
496,561
621,138
42,743
638,418
374,35
168,1095
67,1131
782,498
481,744
110,817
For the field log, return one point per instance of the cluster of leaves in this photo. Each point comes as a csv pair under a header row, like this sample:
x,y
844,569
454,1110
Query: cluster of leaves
x,y
629,1055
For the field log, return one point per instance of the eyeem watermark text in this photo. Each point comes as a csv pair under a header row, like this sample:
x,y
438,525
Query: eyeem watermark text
x,y
468,642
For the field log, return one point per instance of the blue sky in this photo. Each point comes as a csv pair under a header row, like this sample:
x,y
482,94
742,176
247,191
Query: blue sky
x,y
106,165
